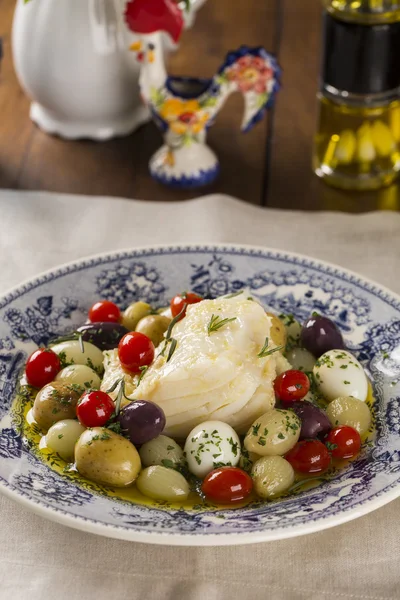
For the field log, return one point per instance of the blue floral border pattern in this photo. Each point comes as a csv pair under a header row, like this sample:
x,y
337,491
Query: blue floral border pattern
x,y
301,285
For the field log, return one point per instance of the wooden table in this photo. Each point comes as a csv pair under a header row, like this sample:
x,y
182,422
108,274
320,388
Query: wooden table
x,y
269,166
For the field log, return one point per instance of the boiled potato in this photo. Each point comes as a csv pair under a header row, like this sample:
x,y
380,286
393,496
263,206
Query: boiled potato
x,y
163,451
301,359
106,457
161,483
55,402
80,375
70,353
154,326
132,315
62,437
350,411
277,331
272,476
274,433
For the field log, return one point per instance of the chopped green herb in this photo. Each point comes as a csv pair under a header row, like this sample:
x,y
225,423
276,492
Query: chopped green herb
x,y
331,446
60,436
115,427
256,428
262,441
168,464
198,460
170,447
234,446
347,382
281,436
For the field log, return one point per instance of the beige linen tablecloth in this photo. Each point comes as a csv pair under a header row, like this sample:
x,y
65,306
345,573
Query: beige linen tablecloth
x,y
41,560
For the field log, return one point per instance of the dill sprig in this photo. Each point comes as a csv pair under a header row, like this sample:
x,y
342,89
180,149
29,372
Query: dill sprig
x,y
234,294
120,396
172,349
82,347
174,322
143,371
216,323
264,350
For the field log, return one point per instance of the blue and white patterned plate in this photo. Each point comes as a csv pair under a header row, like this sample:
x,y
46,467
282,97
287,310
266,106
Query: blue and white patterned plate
x,y
367,314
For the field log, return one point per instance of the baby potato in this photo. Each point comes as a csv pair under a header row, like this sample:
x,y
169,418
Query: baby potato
x,y
154,326
274,433
55,402
70,352
277,331
272,476
350,411
106,457
80,375
161,483
301,359
62,437
162,450
132,315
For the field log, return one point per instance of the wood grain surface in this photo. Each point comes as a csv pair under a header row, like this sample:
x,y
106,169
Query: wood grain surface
x,y
270,166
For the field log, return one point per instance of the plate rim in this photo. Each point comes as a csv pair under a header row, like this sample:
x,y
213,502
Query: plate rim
x,y
200,538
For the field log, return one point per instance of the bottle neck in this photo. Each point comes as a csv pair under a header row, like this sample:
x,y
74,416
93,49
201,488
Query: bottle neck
x,y
365,12
365,100
359,59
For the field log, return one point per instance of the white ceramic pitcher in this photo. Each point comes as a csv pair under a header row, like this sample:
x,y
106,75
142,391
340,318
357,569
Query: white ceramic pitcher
x,y
72,58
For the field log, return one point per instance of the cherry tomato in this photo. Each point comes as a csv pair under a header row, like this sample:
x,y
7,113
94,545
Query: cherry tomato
x,y
291,385
227,485
178,303
42,366
343,442
309,456
104,312
135,350
94,409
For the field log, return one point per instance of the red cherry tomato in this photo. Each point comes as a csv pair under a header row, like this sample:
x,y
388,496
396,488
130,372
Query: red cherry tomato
x,y
135,350
309,456
94,409
178,303
291,385
42,366
343,442
227,485
104,312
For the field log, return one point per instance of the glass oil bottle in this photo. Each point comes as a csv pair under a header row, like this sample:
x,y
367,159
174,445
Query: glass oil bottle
x,y
357,145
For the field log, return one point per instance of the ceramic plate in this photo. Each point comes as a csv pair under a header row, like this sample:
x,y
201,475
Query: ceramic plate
x,y
367,314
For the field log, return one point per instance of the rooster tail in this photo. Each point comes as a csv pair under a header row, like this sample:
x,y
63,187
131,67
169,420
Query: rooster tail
x,y
255,73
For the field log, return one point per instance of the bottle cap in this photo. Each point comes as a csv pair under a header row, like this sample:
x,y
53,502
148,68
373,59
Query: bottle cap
x,y
361,59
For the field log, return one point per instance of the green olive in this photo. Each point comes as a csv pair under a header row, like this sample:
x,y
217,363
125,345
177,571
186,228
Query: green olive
x,y
55,402
154,326
106,457
132,315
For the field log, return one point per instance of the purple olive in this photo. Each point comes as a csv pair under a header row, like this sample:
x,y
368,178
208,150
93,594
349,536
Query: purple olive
x,y
105,336
314,422
320,334
141,421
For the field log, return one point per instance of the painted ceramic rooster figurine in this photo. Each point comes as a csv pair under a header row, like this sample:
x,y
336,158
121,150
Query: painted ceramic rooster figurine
x,y
184,108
